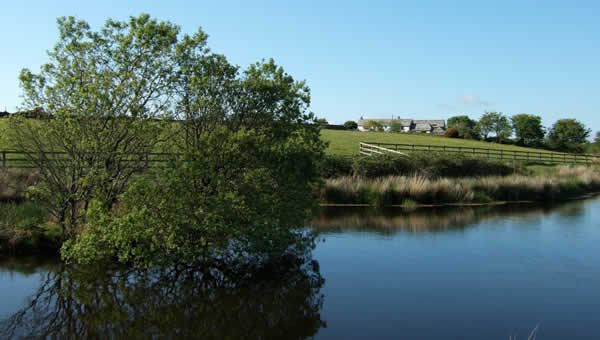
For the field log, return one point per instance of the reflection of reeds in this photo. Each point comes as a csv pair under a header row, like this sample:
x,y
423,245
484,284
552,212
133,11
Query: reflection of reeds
x,y
563,183
392,220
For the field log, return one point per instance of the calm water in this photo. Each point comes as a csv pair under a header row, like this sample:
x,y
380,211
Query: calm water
x,y
485,273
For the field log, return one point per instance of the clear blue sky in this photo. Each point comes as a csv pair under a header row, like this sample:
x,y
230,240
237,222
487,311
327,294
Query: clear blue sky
x,y
423,59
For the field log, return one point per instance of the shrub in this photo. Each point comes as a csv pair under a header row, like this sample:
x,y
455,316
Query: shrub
x,y
431,165
451,133
350,125
437,164
382,165
335,166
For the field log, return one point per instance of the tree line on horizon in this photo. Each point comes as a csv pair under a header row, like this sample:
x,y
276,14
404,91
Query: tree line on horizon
x,y
522,129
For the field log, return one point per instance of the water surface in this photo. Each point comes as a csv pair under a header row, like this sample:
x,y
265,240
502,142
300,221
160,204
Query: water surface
x,y
460,273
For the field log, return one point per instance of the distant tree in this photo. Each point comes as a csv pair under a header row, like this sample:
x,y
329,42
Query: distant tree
x,y
451,133
567,134
464,125
396,126
485,126
350,125
494,122
374,125
528,128
597,139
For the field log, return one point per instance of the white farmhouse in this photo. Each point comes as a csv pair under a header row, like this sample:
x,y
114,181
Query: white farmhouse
x,y
408,125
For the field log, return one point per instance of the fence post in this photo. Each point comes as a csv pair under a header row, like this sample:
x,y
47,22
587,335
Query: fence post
x,y
3,159
413,147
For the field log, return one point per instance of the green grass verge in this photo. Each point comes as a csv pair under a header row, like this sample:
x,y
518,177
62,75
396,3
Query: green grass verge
x,y
347,142
23,229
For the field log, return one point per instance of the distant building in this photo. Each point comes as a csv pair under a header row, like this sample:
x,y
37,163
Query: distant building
x,y
408,125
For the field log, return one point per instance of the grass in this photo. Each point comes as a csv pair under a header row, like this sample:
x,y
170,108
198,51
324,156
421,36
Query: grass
x,y
561,184
347,142
23,229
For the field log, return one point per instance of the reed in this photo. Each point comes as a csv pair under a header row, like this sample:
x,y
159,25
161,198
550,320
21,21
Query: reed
x,y
14,183
563,183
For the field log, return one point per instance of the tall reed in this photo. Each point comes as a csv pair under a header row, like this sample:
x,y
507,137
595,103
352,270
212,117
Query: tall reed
x,y
565,182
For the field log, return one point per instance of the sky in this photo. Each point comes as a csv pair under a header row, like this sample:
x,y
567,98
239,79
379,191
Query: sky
x,y
413,59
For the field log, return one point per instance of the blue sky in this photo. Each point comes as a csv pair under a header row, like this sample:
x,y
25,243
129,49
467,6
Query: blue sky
x,y
417,59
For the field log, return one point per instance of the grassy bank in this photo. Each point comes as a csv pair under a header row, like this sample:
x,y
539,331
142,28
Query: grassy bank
x,y
561,184
347,142
24,229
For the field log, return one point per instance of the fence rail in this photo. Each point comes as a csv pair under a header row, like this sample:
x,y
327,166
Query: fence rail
x,y
368,148
22,160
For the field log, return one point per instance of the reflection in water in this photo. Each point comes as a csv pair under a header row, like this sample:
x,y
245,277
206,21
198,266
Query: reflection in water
x,y
392,220
173,303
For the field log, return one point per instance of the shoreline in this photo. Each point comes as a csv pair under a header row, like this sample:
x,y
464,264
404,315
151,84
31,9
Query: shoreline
x,y
590,195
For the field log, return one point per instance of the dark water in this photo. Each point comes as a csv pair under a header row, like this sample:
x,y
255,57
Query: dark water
x,y
470,273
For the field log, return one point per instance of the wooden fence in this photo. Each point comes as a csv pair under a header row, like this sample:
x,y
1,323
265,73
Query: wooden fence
x,y
21,160
368,148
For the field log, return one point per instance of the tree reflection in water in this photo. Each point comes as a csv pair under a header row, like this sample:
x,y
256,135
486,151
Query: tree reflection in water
x,y
279,301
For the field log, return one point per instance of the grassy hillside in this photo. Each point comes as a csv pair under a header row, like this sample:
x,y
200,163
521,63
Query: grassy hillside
x,y
347,142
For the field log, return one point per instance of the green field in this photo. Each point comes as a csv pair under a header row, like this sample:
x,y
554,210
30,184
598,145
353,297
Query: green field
x,y
347,142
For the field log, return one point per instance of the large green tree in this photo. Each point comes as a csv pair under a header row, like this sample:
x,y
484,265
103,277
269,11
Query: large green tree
x,y
240,184
528,128
567,134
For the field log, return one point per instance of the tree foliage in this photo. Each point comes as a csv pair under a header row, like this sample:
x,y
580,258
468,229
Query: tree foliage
x,y
567,134
396,126
350,125
528,128
374,125
105,89
244,148
451,133
494,122
465,126
242,183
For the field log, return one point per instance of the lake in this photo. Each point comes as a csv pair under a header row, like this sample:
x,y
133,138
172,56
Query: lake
x,y
453,273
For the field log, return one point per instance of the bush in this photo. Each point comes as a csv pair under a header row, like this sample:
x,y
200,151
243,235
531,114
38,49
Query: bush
x,y
382,165
350,125
452,133
335,166
458,165
431,165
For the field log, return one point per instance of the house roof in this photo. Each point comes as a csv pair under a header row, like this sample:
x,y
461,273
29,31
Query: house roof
x,y
435,122
422,127
425,124
384,121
